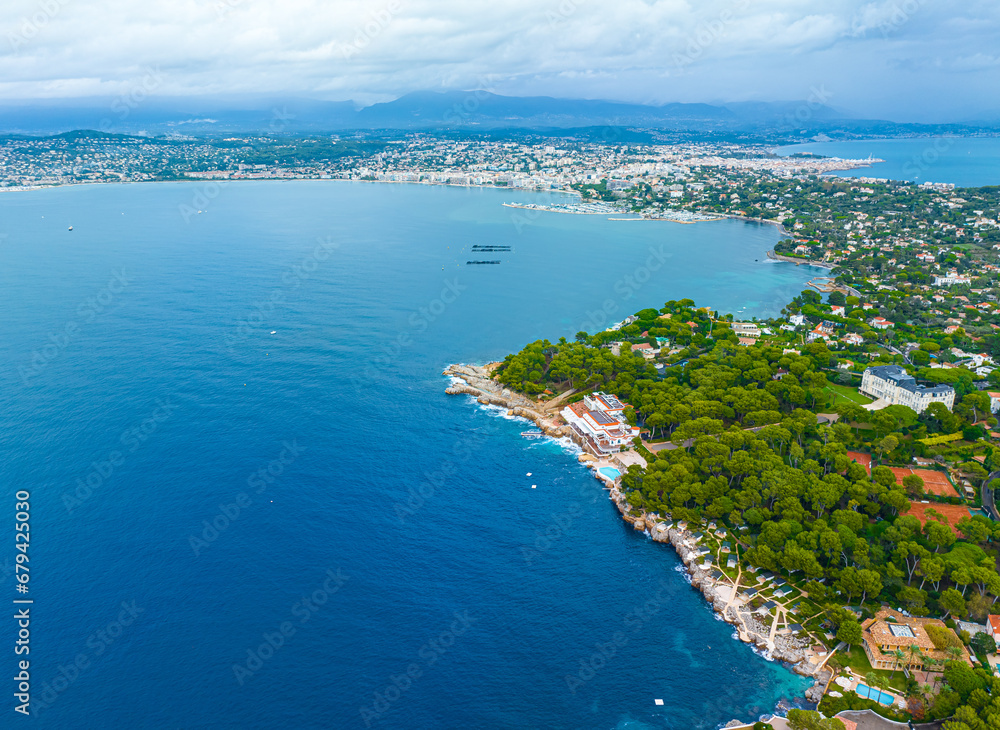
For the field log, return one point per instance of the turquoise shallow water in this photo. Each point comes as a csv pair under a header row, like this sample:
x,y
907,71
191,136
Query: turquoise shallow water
x,y
254,506
962,161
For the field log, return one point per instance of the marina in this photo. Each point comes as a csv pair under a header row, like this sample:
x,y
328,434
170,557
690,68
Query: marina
x,y
573,208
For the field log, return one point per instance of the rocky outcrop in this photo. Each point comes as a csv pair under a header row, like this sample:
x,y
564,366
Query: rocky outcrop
x,y
478,382
790,650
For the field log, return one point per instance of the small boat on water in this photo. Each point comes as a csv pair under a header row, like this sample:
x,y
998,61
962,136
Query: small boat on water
x,y
532,434
71,228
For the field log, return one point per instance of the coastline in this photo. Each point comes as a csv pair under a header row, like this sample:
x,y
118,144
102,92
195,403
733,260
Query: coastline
x,y
793,652
800,262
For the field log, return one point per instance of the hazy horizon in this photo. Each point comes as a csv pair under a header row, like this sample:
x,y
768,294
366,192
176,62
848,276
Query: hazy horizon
x,y
899,60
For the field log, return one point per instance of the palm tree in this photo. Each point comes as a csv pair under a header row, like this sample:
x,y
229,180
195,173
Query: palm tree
x,y
881,682
954,652
899,656
871,679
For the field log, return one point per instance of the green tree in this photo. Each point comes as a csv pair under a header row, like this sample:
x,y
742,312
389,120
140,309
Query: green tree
x,y
809,720
914,485
850,633
983,643
952,602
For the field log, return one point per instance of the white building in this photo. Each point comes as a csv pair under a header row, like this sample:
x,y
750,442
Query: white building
x,y
952,279
600,420
746,329
893,384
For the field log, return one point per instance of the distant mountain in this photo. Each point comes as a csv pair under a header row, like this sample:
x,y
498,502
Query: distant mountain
x,y
481,108
448,112
419,110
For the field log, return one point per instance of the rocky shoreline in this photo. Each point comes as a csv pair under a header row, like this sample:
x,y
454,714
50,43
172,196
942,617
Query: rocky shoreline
x,y
793,651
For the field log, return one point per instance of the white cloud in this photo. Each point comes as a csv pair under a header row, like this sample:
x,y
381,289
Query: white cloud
x,y
632,49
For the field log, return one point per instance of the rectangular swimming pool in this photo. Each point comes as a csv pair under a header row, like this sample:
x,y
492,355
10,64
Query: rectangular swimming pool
x,y
882,698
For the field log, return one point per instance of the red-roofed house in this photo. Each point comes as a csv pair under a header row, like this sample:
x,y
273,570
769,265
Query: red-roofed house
x,y
993,627
880,323
645,349
600,420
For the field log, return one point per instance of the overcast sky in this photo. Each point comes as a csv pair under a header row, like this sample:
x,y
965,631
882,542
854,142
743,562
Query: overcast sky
x,y
898,59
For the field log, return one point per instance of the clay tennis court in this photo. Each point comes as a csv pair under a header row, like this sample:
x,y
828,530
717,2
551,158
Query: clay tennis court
x,y
935,482
954,512
864,459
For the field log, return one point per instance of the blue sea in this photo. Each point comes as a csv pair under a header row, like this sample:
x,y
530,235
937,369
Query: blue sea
x,y
962,161
252,505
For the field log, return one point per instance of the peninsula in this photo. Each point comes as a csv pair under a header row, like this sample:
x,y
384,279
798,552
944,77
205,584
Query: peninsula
x,y
819,502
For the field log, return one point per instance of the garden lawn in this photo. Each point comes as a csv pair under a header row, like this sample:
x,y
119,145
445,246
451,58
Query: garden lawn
x,y
845,394
857,660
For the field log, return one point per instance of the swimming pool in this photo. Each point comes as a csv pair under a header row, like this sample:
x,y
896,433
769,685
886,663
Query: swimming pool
x,y
610,472
882,698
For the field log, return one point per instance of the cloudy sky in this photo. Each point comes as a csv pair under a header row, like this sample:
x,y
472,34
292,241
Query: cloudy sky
x,y
898,59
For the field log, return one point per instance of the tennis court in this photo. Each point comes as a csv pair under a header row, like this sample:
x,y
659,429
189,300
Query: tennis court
x,y
953,512
935,482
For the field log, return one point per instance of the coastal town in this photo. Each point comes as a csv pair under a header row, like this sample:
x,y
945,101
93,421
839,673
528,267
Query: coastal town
x,y
826,475
93,157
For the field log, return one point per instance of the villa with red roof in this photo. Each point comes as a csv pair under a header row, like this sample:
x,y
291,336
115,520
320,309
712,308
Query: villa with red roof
x,y
993,627
600,420
889,632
